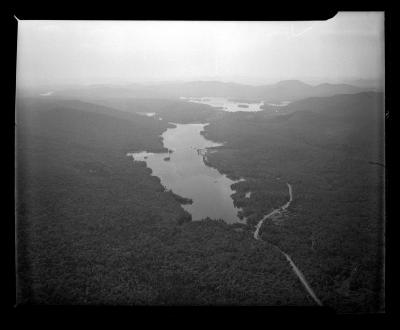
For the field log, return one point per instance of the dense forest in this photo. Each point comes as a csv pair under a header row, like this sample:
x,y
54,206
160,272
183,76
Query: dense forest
x,y
96,228
327,148
93,227
202,163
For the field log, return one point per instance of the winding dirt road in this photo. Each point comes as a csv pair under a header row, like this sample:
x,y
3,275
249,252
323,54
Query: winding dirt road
x,y
282,208
295,269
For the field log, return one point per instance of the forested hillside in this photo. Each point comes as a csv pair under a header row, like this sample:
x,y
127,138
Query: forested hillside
x,y
96,228
331,151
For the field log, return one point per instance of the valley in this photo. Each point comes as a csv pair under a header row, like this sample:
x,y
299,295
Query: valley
x,y
86,208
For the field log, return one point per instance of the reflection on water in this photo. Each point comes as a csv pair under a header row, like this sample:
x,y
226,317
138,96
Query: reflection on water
x,y
280,104
46,94
183,171
226,104
148,114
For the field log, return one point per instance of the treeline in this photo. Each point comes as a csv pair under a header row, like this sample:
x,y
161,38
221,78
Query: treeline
x,y
94,227
333,229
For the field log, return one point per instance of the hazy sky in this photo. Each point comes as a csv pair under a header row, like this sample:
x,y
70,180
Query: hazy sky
x,y
349,46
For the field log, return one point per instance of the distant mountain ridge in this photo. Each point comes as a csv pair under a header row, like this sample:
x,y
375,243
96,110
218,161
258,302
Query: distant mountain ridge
x,y
286,90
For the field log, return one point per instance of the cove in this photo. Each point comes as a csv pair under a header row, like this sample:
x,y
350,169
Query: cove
x,y
184,171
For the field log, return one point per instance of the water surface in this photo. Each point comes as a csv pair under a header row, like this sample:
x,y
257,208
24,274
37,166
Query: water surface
x,y
147,114
226,104
46,94
280,104
183,171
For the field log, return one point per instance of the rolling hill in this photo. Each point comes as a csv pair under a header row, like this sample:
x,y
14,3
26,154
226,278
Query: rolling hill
x,y
288,90
331,150
93,227
96,228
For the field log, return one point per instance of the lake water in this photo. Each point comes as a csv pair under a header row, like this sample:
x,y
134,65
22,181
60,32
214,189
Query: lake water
x,y
183,171
280,104
147,114
225,104
46,94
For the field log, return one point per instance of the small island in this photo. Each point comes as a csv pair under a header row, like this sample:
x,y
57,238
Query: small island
x,y
243,106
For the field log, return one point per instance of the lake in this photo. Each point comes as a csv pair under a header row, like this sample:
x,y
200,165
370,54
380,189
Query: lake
x,y
226,104
147,114
183,171
46,94
280,104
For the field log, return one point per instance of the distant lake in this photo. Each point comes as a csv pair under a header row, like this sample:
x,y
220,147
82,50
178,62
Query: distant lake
x,y
46,94
226,104
183,171
280,104
147,114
